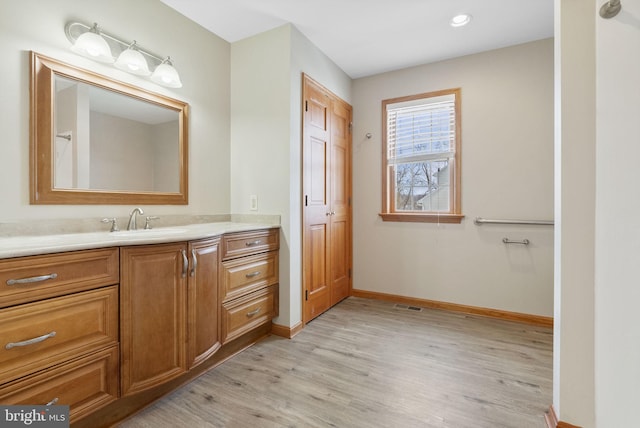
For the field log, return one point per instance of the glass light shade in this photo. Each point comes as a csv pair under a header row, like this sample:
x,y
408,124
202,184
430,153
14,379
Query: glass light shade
x,y
132,61
166,75
93,46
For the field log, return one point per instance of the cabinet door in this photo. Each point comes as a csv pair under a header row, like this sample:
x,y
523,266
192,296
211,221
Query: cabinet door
x,y
153,297
203,310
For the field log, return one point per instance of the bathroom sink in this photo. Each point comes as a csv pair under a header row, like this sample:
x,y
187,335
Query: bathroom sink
x,y
147,233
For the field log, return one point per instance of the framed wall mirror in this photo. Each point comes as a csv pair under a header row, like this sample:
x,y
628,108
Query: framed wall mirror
x,y
95,140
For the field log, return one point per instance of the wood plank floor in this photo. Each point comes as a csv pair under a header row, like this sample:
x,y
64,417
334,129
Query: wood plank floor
x,y
366,363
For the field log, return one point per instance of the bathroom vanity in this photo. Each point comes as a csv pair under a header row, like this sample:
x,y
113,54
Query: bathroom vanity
x,y
107,323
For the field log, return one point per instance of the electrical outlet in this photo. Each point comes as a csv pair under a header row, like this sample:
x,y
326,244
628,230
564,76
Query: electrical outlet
x,y
253,202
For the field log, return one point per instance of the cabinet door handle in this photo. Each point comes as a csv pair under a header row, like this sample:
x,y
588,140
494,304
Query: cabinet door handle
x,y
195,263
253,243
30,341
252,313
252,274
32,279
185,263
52,402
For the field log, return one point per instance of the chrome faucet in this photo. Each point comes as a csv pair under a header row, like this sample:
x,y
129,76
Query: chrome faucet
x,y
132,218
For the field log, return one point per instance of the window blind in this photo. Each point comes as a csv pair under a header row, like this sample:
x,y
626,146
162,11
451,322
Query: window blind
x,y
421,131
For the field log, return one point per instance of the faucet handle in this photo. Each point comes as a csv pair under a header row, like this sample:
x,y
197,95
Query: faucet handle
x,y
147,226
114,223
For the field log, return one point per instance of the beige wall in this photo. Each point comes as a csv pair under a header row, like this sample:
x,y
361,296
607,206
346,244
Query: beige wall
x,y
266,138
617,237
201,58
597,336
507,173
575,212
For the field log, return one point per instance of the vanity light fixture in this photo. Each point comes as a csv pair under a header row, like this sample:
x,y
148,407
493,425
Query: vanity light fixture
x,y
460,20
132,61
93,43
166,75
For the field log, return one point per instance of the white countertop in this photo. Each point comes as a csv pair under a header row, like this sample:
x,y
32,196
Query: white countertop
x,y
18,246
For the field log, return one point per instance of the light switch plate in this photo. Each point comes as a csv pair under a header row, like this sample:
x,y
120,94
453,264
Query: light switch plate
x,y
253,202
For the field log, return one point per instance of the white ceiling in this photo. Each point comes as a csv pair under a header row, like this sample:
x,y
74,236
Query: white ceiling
x,y
366,37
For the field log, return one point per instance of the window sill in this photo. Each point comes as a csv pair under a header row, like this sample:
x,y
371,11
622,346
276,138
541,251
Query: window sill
x,y
423,218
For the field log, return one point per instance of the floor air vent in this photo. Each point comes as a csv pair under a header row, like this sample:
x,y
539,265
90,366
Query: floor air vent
x,y
408,308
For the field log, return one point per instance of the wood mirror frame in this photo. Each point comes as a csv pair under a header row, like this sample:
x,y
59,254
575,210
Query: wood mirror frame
x,y
43,72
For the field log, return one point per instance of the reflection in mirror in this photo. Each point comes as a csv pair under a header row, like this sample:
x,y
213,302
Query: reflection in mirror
x,y
108,141
95,140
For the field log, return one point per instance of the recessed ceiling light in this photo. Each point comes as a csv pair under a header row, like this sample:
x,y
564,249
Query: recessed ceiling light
x,y
460,20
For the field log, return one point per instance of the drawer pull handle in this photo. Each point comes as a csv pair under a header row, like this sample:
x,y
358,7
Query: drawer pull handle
x,y
252,313
30,341
52,402
32,279
253,243
252,274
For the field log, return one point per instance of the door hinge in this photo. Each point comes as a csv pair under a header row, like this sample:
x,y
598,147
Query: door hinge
x,y
306,105
349,273
349,200
306,200
306,295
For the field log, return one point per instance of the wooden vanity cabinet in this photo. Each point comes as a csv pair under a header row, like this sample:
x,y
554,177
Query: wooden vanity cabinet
x,y
108,331
59,330
168,311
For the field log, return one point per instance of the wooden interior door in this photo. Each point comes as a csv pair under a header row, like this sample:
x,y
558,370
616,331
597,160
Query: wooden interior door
x,y
340,200
326,237
316,245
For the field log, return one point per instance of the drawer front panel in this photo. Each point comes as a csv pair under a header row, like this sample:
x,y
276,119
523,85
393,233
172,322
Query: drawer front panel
x,y
242,276
38,335
247,243
85,384
28,279
246,313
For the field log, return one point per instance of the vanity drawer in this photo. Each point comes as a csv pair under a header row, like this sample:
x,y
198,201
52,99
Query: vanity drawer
x,y
32,278
247,243
246,313
84,384
36,336
247,274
